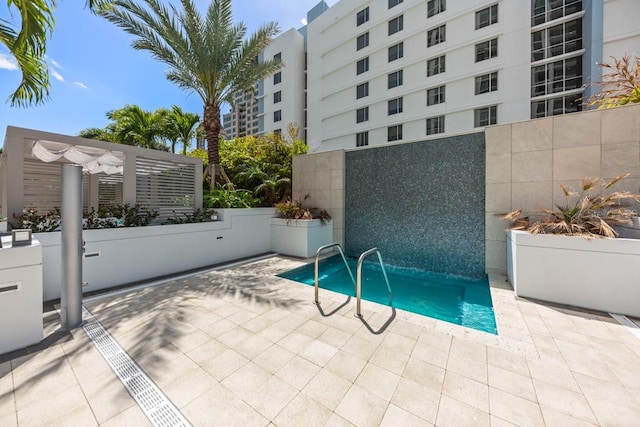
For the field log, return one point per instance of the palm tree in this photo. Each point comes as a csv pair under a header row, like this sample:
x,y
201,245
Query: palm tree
x,y
134,126
97,134
206,54
28,44
180,126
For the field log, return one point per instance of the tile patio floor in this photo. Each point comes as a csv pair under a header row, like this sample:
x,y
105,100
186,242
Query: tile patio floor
x,y
243,347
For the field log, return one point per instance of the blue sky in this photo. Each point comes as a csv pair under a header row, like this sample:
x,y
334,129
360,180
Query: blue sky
x,y
94,69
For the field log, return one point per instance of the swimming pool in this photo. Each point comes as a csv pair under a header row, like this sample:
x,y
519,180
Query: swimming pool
x,y
461,300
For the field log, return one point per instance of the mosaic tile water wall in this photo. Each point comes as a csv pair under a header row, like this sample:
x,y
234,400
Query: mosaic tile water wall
x,y
422,204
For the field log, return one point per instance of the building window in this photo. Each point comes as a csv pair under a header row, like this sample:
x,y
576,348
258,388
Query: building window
x,y
547,10
485,116
277,132
555,106
277,97
277,77
487,83
435,125
487,16
362,90
394,106
277,115
362,41
558,76
396,24
277,57
557,40
362,139
362,115
435,6
396,51
394,133
435,66
362,16
393,3
435,95
486,50
436,36
362,66
394,79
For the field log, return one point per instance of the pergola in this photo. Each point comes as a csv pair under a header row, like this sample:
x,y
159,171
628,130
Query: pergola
x,y
30,174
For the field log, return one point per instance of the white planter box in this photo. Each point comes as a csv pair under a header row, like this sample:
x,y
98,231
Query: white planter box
x,y
598,274
119,256
20,295
3,226
299,238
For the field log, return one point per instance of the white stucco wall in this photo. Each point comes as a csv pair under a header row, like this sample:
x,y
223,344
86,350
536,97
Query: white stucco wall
x,y
120,256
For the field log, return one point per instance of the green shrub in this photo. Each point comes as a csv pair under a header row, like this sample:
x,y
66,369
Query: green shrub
x,y
36,222
199,215
111,216
224,198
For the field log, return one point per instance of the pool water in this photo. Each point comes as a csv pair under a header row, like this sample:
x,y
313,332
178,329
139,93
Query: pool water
x,y
461,300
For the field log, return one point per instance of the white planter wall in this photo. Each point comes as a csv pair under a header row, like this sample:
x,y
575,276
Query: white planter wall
x,y
20,295
300,238
598,274
119,256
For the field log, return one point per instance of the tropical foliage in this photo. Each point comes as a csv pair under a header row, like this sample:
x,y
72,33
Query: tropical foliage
x,y
593,211
131,125
109,216
223,197
262,164
206,53
178,127
199,215
294,209
27,42
620,83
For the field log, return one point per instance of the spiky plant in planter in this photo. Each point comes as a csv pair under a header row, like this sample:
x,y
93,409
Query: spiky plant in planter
x,y
294,210
594,211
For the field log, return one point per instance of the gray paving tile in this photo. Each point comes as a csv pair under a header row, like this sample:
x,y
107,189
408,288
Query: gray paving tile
x,y
396,416
346,365
303,411
361,407
453,413
611,403
417,399
519,411
466,390
252,363
378,381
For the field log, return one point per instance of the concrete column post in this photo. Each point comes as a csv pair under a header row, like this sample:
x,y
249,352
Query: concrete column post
x,y
71,249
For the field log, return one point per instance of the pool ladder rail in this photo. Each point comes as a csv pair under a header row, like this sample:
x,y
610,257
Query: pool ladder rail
x,y
344,258
357,282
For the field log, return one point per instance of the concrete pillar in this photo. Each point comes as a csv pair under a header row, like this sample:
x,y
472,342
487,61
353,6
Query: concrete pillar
x,y
71,248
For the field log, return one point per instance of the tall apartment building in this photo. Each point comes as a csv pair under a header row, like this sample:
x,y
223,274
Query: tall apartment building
x,y
242,118
280,99
380,71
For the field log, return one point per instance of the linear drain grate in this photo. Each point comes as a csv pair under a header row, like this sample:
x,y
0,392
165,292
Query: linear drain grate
x,y
155,405
627,323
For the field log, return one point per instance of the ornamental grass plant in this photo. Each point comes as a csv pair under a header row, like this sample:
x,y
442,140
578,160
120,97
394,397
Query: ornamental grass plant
x,y
592,211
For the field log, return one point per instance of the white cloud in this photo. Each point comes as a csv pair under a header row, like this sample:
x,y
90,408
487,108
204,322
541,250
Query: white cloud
x,y
56,75
81,85
55,64
7,62
303,21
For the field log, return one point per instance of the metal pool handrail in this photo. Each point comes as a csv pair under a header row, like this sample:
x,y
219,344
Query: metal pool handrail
x,y
359,278
320,250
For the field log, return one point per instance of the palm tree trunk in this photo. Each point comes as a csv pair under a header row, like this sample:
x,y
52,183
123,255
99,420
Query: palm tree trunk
x,y
211,124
